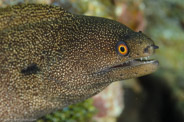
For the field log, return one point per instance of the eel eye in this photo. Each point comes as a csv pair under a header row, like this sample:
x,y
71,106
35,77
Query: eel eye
x,y
122,48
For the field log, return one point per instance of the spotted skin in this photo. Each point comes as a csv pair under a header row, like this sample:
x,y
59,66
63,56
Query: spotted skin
x,y
50,58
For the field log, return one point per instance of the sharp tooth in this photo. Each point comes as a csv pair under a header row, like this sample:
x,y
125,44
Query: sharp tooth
x,y
141,59
146,58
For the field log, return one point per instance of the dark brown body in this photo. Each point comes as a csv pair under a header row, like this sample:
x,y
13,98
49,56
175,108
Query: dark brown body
x,y
50,58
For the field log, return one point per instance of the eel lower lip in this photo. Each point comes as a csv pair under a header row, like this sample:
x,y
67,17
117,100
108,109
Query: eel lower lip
x,y
135,62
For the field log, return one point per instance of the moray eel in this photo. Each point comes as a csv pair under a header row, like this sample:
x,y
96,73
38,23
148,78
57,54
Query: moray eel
x,y
50,58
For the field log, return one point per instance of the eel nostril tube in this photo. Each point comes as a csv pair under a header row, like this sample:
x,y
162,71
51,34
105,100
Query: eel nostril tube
x,y
155,47
149,48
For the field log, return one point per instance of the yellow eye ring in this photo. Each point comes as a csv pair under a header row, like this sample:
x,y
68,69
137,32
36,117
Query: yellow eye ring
x,y
122,48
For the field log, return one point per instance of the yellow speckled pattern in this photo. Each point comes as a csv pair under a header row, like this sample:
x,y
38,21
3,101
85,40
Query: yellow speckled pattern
x,y
50,58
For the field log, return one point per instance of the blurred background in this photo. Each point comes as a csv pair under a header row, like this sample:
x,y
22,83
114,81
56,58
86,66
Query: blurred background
x,y
158,97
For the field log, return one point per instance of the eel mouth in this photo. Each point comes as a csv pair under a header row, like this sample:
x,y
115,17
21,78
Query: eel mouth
x,y
136,62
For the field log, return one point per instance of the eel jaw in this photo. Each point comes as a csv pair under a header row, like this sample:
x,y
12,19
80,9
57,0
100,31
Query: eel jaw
x,y
132,69
136,62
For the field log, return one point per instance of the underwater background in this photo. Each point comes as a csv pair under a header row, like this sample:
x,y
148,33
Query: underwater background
x,y
158,97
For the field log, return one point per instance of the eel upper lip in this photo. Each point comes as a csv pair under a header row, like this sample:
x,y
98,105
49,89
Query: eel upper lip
x,y
136,62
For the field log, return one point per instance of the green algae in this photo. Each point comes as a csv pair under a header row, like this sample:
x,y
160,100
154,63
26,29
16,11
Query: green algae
x,y
80,112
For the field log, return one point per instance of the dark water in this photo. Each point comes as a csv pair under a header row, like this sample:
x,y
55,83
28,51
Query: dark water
x,y
156,103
